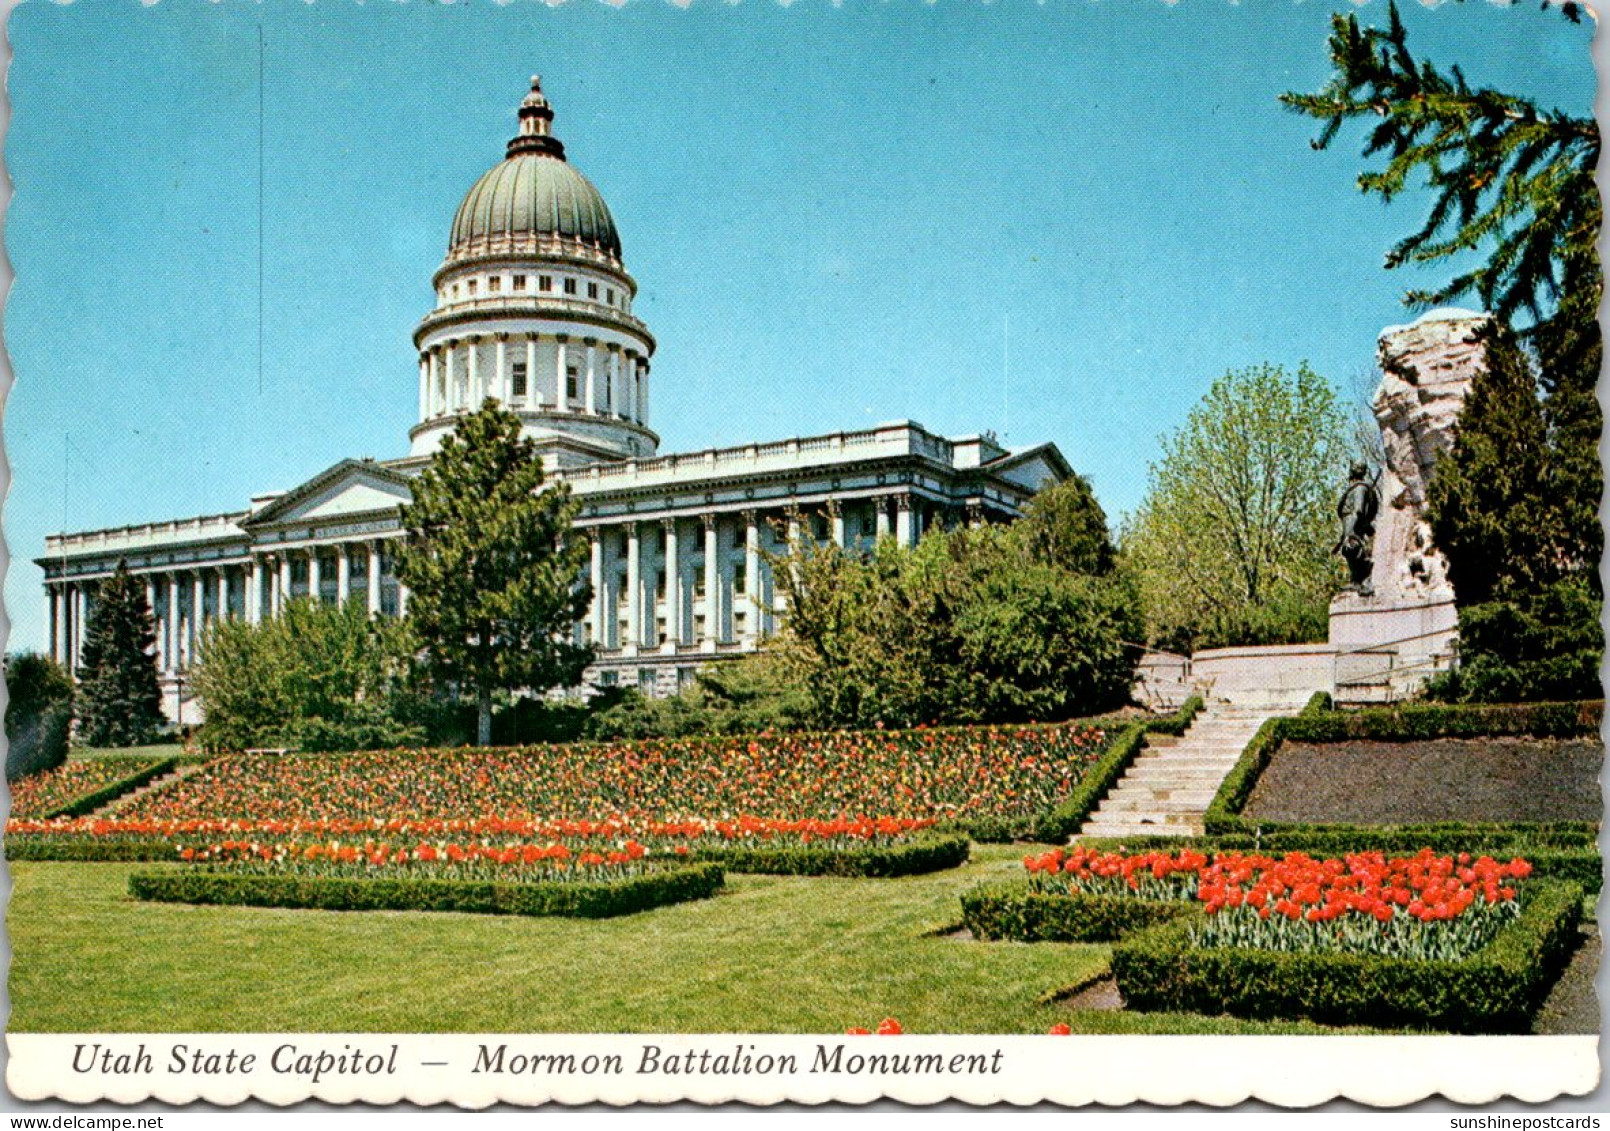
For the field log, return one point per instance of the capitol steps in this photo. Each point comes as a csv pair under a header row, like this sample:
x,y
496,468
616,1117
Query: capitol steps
x,y
1171,782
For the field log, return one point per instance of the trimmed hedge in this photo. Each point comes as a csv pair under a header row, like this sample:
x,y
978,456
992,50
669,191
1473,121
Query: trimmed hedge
x,y
328,893
88,849
1496,990
1021,914
912,858
1398,724
89,802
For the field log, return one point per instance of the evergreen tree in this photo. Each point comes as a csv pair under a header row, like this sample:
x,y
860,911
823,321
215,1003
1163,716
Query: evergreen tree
x,y
1514,507
119,701
495,571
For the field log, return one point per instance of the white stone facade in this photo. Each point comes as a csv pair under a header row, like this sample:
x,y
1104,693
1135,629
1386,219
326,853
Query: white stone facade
x,y
533,309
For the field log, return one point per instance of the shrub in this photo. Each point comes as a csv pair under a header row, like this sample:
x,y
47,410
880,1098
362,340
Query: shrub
x,y
911,858
39,714
1495,990
1398,724
1022,914
578,900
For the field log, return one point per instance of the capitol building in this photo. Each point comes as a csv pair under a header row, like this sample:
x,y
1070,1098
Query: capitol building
x,y
534,307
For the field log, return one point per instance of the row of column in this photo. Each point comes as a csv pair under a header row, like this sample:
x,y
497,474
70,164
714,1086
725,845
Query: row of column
x,y
611,379
636,599
267,587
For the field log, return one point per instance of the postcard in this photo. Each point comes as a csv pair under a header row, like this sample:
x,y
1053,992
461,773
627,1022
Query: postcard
x,y
803,552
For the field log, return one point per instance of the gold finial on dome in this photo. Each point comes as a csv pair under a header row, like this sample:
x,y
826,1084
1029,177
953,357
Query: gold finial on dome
x,y
536,116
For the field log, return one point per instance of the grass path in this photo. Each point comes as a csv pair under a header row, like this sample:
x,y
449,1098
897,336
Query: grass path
x,y
772,954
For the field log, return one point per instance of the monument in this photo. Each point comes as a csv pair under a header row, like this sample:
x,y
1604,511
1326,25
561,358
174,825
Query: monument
x,y
1395,625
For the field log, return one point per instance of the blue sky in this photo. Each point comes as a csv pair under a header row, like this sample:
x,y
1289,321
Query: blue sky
x,y
1059,221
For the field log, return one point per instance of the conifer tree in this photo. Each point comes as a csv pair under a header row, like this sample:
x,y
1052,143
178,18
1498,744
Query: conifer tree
x,y
495,571
119,701
1514,507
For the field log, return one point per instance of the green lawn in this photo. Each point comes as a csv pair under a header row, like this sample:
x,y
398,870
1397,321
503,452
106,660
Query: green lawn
x,y
773,954
162,750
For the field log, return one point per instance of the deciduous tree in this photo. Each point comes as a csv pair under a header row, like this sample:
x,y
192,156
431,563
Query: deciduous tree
x,y
1234,541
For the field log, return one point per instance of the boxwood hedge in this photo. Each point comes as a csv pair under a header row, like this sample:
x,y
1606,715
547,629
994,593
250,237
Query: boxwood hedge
x,y
1397,724
140,773
1496,990
327,893
906,858
1018,912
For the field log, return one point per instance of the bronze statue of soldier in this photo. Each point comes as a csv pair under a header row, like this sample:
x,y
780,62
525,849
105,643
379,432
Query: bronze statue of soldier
x,y
1359,505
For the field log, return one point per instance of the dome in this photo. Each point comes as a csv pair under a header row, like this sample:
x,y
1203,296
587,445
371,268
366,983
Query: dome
x,y
534,193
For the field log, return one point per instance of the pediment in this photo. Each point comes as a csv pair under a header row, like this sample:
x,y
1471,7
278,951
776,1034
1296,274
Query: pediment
x,y
352,487
1035,469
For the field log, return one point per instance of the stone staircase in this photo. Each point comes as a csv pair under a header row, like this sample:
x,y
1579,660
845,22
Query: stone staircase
x,y
1167,789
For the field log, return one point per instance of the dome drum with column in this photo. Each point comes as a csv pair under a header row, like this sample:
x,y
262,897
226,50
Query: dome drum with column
x,y
534,309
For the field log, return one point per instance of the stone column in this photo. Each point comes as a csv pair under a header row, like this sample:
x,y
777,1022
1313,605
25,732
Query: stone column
x,y
880,507
532,392
473,373
424,387
712,586
374,578
612,368
287,583
254,590
449,379
222,612
561,388
673,588
58,622
595,611
591,389
752,575
642,392
315,576
343,573
434,354
634,594
402,600
628,390
905,530
835,516
500,380
80,621
198,606
175,625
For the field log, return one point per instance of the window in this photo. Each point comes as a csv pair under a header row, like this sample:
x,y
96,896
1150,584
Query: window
x,y
645,680
519,283
592,290
570,382
495,283
659,583
740,580
570,286
609,679
609,295
544,282
518,382
455,290
470,286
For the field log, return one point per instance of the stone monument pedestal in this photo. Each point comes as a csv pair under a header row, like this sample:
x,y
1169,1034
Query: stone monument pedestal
x,y
1385,649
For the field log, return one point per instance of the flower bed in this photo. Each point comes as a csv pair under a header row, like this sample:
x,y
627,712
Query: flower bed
x,y
1497,988
595,892
883,847
75,788
950,774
